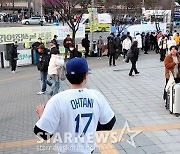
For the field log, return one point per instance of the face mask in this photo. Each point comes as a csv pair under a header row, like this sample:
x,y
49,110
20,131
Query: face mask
x,y
71,48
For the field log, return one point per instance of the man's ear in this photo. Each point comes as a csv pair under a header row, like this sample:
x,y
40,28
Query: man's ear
x,y
86,76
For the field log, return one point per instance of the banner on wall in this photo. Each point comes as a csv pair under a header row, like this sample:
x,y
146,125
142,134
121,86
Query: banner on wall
x,y
31,34
24,58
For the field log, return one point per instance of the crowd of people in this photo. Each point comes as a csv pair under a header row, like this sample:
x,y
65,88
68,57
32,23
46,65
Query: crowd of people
x,y
11,18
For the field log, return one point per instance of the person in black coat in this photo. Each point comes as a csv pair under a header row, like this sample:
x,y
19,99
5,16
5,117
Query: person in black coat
x,y
112,47
86,44
42,65
134,58
56,42
147,40
13,57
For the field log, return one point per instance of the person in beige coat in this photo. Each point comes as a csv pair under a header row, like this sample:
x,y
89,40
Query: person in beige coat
x,y
56,62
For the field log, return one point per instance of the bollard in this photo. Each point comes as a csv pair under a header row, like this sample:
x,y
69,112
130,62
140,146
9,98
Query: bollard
x,y
2,60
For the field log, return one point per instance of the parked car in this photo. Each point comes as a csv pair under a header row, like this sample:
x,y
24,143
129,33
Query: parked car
x,y
34,21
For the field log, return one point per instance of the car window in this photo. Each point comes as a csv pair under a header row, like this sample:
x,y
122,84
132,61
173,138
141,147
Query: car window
x,y
35,18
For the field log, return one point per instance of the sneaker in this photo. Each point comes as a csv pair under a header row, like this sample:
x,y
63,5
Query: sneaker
x,y
13,72
131,75
97,58
41,93
137,72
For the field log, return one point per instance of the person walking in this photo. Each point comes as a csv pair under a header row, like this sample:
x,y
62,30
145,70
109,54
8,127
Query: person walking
x,y
172,64
55,41
134,58
56,61
68,42
78,112
126,46
100,44
13,57
163,46
112,47
42,66
86,44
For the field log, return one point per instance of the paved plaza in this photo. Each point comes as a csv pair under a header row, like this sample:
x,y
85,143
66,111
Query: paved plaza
x,y
136,101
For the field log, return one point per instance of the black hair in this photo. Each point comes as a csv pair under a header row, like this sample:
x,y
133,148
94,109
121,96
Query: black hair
x,y
76,78
135,44
54,51
174,46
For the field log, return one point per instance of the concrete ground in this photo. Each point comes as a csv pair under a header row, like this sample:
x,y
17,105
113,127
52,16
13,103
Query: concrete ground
x,y
136,101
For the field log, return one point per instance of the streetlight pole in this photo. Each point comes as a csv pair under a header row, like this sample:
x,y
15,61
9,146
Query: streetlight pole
x,y
29,8
172,16
92,26
41,7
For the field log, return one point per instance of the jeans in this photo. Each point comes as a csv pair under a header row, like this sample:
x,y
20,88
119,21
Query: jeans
x,y
133,68
55,84
44,81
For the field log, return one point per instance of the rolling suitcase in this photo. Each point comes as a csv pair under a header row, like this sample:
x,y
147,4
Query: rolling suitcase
x,y
174,106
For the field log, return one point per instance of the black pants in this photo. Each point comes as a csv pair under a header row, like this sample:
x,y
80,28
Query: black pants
x,y
112,56
124,53
13,64
133,68
87,51
146,49
162,54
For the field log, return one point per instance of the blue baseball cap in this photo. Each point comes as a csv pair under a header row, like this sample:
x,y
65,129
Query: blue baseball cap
x,y
77,66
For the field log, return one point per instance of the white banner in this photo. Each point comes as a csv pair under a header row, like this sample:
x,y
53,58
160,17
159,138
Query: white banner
x,y
24,57
134,29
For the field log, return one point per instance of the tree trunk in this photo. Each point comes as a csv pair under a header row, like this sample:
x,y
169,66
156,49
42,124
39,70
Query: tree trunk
x,y
74,36
13,5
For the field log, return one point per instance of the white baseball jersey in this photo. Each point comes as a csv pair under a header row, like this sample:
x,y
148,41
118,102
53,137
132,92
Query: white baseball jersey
x,y
73,115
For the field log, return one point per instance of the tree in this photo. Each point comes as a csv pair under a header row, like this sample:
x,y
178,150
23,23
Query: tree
x,y
66,9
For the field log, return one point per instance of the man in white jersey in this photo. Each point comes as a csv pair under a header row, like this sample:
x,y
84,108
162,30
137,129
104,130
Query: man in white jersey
x,y
76,113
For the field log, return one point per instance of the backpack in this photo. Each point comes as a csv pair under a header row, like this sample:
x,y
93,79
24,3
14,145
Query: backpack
x,y
130,54
83,43
61,73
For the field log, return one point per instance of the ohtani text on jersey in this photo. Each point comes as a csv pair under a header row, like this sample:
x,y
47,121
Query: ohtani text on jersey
x,y
82,102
